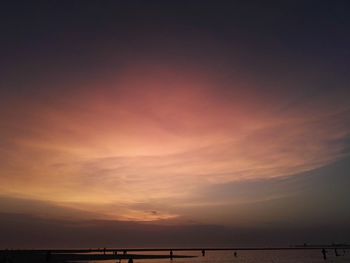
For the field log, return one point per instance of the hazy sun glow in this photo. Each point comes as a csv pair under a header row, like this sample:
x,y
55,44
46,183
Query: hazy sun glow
x,y
149,135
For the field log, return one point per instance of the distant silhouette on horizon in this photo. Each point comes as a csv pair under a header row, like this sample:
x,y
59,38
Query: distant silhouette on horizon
x,y
324,253
336,252
48,256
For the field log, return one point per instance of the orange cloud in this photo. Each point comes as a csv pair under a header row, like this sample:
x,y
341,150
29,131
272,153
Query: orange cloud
x,y
160,135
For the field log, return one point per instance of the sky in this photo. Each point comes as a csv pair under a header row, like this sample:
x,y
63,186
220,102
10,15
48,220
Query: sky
x,y
174,123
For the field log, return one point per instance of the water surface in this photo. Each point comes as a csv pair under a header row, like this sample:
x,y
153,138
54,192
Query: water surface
x,y
276,256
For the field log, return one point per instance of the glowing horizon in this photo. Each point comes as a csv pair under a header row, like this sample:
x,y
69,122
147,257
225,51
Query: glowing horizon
x,y
160,136
174,123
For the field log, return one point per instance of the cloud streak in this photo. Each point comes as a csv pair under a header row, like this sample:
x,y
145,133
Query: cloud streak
x,y
155,134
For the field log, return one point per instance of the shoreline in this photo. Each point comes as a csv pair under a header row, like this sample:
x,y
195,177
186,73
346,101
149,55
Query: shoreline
x,y
39,257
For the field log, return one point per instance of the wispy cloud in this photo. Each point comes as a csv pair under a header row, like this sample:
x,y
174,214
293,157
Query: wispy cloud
x,y
162,136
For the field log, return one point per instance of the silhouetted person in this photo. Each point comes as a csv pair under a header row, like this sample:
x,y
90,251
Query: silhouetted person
x,y
324,253
130,260
203,252
235,254
124,252
104,251
48,256
171,254
336,252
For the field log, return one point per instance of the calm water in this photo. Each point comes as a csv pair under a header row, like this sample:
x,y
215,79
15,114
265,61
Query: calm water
x,y
291,256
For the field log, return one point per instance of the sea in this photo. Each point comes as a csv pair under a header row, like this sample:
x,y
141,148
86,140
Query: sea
x,y
271,256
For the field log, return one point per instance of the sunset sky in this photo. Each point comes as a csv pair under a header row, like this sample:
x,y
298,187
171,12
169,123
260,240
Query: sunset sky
x,y
221,120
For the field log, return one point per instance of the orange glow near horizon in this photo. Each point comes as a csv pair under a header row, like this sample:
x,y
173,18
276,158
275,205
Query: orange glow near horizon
x,y
157,136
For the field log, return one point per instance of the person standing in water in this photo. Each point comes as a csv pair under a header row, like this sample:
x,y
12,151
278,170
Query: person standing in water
x,y
203,252
336,252
48,256
324,253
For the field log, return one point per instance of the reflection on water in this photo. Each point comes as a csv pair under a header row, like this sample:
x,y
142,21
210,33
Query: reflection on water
x,y
281,256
